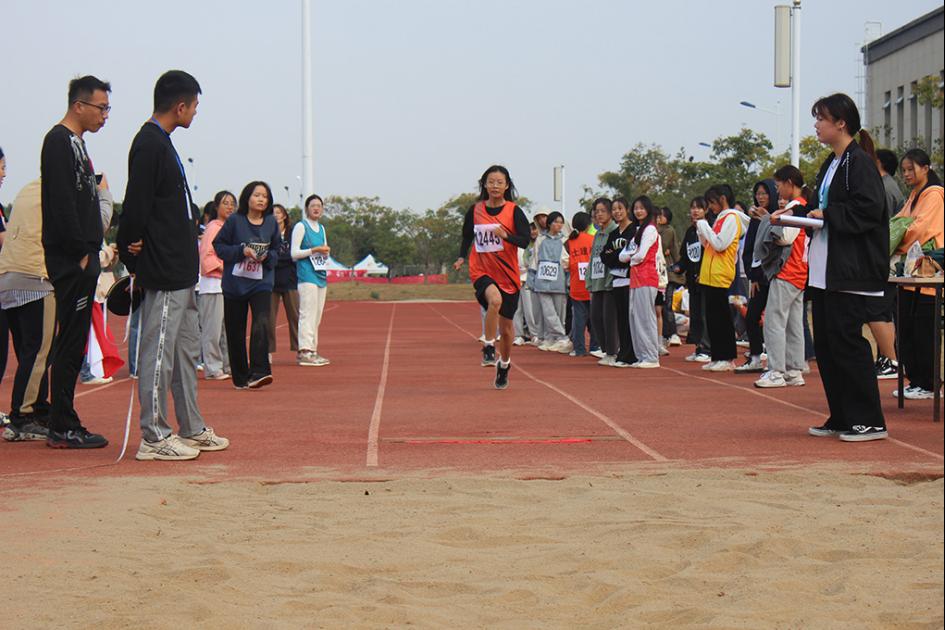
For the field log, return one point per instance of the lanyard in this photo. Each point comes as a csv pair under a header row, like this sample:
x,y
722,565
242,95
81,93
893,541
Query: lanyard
x,y
180,165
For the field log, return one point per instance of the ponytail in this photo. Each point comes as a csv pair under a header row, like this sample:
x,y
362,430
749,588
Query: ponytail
x,y
807,194
581,221
866,142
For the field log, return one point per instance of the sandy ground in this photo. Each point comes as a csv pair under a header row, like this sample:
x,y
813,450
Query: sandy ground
x,y
662,548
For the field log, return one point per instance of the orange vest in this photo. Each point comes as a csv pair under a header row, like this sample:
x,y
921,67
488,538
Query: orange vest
x,y
491,256
794,270
579,252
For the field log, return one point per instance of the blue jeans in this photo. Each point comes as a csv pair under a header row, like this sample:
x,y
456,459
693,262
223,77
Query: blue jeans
x,y
580,313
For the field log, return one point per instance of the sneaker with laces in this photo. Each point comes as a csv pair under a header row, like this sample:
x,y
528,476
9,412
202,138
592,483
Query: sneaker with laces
x,y
545,346
862,433
905,391
598,354
794,378
823,431
75,438
663,351
563,346
259,381
719,366
771,378
306,357
206,440
170,449
886,368
619,364
488,356
219,376
502,375
698,357
320,360
27,431
518,341
752,365
98,380
919,393
674,340
608,360
645,365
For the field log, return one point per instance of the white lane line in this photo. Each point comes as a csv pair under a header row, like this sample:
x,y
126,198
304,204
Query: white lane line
x,y
814,412
375,428
616,428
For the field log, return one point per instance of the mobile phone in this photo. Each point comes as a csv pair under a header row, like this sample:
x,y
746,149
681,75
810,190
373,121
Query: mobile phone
x,y
98,178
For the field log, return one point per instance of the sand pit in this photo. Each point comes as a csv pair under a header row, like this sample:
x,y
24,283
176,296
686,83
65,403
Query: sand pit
x,y
816,547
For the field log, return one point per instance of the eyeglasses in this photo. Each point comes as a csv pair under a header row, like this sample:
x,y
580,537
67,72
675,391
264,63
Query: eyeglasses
x,y
102,108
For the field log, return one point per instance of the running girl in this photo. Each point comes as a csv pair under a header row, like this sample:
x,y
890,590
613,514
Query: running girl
x,y
493,228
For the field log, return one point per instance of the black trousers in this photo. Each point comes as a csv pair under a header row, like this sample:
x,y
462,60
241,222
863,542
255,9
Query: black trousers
x,y
75,290
718,321
756,308
32,327
604,321
916,344
696,335
235,315
4,343
845,360
669,315
622,305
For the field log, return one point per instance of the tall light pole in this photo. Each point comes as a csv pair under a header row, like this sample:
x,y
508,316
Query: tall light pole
x,y
193,166
796,84
308,140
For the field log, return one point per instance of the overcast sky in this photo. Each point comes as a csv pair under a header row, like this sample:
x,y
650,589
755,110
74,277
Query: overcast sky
x,y
415,98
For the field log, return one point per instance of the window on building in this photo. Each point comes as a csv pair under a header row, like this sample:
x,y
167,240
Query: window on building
x,y
887,119
913,114
900,117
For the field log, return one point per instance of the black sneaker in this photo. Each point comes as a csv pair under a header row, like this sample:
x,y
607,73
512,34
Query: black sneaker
x,y
823,431
861,433
502,375
261,381
75,438
488,356
886,368
29,430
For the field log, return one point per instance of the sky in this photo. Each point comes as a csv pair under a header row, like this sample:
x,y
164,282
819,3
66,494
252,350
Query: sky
x,y
414,99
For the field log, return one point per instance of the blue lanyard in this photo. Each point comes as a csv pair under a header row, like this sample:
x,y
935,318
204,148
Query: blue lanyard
x,y
180,165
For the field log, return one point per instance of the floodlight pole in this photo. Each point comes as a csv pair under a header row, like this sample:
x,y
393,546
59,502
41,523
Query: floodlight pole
x,y
308,141
796,83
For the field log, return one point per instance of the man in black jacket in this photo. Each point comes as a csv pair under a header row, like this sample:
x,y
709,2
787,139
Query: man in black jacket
x,y
157,241
72,236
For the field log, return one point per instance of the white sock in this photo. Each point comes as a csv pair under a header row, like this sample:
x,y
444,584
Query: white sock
x,y
504,363
490,342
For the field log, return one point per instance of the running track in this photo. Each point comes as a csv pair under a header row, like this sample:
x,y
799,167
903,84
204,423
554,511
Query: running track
x,y
405,392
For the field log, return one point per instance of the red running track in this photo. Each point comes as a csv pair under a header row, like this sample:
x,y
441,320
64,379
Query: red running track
x,y
405,392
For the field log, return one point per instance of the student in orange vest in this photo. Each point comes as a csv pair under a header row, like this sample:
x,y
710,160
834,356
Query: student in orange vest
x,y
495,228
717,272
579,252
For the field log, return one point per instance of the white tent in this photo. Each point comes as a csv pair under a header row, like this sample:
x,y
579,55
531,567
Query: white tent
x,y
371,267
334,265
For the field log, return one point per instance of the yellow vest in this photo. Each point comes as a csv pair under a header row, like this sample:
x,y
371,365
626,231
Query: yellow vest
x,y
23,245
718,268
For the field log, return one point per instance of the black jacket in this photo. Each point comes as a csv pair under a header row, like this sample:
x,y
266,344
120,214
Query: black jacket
x,y
616,241
72,222
157,208
857,222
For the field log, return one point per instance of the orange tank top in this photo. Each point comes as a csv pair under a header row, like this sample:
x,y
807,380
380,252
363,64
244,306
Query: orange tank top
x,y
490,255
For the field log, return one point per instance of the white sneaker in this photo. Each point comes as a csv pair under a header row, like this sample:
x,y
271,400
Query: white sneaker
x,y
608,360
518,341
645,365
719,366
753,365
771,378
905,391
170,449
482,339
698,357
545,346
598,354
206,440
794,378
663,351
620,364
675,340
918,393
563,346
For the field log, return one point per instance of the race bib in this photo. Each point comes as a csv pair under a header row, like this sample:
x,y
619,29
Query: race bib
x,y
694,251
250,269
598,271
486,240
548,271
582,271
319,262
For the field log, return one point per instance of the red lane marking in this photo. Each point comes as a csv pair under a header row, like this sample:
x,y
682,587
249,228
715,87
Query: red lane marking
x,y
616,428
375,427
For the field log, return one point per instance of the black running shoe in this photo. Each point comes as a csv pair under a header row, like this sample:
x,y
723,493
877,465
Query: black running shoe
x,y
823,431
261,381
25,431
75,438
488,356
861,433
886,368
502,375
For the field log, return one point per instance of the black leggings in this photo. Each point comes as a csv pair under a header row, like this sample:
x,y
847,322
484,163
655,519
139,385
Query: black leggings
x,y
622,306
604,321
235,313
916,344
718,321
756,308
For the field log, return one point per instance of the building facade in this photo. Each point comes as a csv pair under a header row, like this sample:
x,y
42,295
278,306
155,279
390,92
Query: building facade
x,y
896,63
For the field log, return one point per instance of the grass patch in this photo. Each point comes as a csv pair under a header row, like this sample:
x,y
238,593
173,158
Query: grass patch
x,y
348,291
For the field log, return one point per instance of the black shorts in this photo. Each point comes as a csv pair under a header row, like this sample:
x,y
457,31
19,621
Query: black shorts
x,y
882,309
660,298
509,300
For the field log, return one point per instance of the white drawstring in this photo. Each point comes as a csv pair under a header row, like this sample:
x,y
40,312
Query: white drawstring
x,y
134,383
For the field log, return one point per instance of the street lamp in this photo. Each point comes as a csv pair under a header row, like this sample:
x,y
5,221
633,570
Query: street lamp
x,y
705,144
776,112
